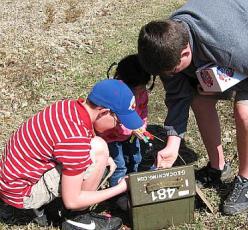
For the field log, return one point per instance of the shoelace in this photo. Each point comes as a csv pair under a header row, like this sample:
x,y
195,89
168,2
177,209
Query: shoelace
x,y
236,191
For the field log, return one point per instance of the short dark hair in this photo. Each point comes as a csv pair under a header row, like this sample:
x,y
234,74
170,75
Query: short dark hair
x,y
160,44
91,104
130,71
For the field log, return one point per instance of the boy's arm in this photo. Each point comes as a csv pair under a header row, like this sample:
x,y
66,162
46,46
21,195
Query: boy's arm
x,y
167,156
75,198
179,95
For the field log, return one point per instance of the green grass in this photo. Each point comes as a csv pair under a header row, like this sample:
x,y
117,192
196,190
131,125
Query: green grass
x,y
35,74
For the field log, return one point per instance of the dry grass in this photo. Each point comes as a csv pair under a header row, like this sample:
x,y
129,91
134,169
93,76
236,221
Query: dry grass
x,y
50,16
57,49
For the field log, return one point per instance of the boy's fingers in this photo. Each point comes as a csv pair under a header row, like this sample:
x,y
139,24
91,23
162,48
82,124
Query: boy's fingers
x,y
165,164
158,161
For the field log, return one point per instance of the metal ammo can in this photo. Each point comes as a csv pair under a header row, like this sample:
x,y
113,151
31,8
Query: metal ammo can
x,y
162,198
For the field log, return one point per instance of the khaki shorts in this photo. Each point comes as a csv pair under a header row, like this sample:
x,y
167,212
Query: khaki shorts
x,y
239,95
45,190
239,92
49,187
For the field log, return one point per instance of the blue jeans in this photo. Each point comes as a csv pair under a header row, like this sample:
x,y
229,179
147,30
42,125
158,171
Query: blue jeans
x,y
127,157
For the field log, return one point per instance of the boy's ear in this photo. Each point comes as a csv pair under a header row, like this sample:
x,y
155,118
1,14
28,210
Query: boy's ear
x,y
186,52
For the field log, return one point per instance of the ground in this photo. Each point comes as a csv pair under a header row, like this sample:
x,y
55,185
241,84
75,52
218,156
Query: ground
x,y
56,49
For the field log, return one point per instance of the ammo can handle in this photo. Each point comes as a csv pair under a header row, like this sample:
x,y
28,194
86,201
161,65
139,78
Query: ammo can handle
x,y
154,186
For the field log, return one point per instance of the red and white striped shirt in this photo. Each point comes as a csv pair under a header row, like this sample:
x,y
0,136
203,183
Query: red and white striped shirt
x,y
60,134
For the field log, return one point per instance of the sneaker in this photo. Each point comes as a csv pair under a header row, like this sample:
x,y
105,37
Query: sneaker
x,y
40,217
50,214
237,201
92,221
208,176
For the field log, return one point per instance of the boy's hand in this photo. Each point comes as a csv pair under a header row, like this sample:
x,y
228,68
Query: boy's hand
x,y
165,158
139,133
123,184
111,165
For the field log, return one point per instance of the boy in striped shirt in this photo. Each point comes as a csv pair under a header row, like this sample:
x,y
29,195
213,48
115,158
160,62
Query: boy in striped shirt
x,y
56,152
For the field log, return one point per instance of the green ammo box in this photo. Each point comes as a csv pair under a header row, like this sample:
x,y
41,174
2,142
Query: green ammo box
x,y
162,198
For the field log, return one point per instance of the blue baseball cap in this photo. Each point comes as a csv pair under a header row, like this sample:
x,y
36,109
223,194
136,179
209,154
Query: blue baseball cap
x,y
116,96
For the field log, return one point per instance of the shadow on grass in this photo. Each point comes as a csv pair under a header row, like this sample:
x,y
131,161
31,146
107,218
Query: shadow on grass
x,y
13,216
186,155
22,217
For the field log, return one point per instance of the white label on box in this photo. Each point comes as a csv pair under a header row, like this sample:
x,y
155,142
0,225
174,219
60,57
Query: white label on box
x,y
218,79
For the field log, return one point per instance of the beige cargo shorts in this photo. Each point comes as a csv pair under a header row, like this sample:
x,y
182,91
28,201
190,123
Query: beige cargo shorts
x,y
49,186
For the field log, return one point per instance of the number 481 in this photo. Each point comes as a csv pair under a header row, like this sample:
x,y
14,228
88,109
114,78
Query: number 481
x,y
163,194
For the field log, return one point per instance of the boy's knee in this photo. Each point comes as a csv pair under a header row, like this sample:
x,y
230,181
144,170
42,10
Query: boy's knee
x,y
99,147
241,113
